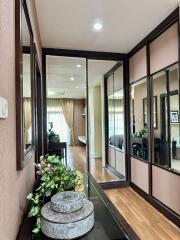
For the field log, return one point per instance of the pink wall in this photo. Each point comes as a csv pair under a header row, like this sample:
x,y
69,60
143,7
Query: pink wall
x,y
166,188
164,49
14,185
137,65
139,174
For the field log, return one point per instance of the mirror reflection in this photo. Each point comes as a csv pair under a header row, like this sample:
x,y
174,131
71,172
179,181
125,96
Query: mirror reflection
x,y
66,110
26,83
116,139
139,116
103,168
167,135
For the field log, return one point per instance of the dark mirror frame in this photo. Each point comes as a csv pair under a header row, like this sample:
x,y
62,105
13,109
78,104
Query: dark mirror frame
x,y
21,156
155,124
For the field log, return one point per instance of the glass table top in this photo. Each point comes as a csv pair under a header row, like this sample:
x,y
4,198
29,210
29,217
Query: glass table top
x,y
106,226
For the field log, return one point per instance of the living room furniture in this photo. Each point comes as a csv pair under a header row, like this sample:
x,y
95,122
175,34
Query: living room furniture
x,y
59,149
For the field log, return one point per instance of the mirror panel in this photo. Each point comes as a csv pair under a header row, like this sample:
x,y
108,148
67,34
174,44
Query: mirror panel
x,y
116,128
139,116
105,93
167,135
174,108
24,86
66,113
119,119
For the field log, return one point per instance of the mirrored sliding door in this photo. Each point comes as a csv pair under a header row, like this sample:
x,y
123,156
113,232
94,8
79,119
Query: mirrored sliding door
x,y
167,133
115,136
66,110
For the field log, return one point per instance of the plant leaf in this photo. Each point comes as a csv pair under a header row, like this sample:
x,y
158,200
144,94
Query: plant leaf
x,y
29,196
36,230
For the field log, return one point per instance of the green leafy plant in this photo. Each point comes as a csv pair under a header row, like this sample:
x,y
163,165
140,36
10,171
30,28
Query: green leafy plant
x,y
54,177
141,133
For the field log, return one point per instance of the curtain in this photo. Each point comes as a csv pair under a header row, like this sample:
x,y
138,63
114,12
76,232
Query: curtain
x,y
27,109
67,106
53,105
56,116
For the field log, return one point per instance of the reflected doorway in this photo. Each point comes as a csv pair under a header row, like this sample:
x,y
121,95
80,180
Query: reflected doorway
x,y
66,110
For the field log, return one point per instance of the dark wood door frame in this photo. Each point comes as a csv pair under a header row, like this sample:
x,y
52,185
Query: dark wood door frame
x,y
87,55
38,109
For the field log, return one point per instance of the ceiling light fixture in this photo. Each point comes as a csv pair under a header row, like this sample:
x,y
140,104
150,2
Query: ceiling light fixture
x,y
77,87
98,26
72,78
78,65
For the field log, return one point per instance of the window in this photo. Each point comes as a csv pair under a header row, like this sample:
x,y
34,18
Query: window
x,y
56,116
139,116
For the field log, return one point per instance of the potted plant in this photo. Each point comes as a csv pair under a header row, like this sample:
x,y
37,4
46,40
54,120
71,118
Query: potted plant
x,y
54,177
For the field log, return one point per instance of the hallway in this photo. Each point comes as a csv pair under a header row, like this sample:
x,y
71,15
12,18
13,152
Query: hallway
x,y
98,74
76,159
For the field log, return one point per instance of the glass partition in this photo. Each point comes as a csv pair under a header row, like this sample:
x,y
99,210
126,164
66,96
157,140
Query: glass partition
x,y
139,116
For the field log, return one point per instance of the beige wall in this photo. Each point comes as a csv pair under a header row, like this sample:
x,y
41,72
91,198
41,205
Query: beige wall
x,y
14,185
95,122
79,120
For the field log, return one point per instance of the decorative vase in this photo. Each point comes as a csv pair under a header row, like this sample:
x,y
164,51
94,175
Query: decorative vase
x,y
67,216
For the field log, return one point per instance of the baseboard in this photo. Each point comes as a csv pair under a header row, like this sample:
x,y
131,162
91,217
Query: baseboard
x,y
112,170
168,213
115,184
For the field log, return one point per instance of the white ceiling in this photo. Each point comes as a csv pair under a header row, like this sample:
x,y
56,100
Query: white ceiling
x,y
68,23
59,70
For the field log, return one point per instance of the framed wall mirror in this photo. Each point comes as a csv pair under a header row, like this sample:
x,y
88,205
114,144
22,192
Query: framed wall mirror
x,y
24,85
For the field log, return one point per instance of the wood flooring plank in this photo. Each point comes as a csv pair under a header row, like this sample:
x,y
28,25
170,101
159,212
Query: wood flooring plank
x,y
147,222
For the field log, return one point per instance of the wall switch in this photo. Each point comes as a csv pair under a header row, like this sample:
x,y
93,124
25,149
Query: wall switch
x,y
3,108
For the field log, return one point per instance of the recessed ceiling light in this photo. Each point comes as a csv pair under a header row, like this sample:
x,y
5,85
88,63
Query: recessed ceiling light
x,y
78,65
98,26
77,87
72,78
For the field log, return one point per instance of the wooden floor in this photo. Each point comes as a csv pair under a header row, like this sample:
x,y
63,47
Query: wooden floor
x,y
76,159
146,221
